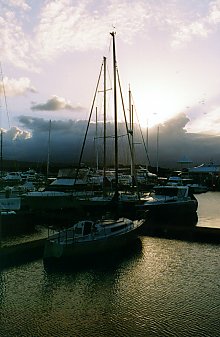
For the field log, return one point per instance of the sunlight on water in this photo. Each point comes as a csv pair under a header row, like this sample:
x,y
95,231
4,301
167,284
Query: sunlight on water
x,y
39,233
159,288
164,288
209,209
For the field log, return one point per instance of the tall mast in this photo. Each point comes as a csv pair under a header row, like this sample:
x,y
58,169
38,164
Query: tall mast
x,y
147,141
104,158
48,150
96,139
115,114
131,115
158,129
1,154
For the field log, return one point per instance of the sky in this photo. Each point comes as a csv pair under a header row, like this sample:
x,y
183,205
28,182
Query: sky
x,y
51,53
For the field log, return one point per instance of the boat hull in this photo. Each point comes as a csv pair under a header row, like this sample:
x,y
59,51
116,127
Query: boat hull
x,y
169,209
79,252
50,202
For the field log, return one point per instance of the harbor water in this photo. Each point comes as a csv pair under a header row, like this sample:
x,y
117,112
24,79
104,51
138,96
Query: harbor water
x,y
160,287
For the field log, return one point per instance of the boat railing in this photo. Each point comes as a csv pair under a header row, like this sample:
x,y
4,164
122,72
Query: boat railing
x,y
69,235
165,198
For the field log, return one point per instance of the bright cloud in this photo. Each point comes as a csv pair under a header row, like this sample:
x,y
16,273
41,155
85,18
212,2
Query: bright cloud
x,y
14,133
15,46
22,4
66,25
16,87
55,43
186,33
207,123
214,15
202,25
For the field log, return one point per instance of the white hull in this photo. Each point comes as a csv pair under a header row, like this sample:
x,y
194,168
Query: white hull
x,y
63,245
170,201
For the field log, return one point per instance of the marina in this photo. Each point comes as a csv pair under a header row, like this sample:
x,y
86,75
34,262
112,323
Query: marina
x,y
142,291
109,210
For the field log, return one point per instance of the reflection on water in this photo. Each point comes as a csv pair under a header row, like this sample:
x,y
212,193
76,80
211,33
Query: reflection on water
x,y
39,233
209,210
168,288
160,287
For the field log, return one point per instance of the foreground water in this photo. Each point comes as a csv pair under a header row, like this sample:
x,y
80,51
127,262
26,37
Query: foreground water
x,y
160,288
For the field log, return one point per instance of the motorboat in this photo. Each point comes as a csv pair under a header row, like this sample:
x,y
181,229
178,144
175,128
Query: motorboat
x,y
168,201
87,238
198,188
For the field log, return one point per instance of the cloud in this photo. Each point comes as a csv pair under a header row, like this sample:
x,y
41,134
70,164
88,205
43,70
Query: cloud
x,y
175,143
67,138
204,116
175,124
38,125
188,32
15,133
66,26
15,45
56,104
16,87
63,27
214,14
200,26
21,4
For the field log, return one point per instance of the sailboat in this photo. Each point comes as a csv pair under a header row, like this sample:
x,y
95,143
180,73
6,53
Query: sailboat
x,y
120,201
87,238
84,201
7,204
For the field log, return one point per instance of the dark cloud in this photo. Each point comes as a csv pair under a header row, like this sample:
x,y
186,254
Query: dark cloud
x,y
175,125
55,104
67,138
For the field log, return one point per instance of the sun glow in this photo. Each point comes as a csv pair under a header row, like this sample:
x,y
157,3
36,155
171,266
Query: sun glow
x,y
151,107
156,106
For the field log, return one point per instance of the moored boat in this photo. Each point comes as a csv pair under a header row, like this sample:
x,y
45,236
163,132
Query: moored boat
x,y
88,238
169,201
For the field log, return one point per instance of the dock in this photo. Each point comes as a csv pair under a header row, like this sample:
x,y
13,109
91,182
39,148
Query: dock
x,y
194,233
33,250
21,253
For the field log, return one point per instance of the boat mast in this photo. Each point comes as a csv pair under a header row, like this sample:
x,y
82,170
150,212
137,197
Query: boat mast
x,y
115,115
96,139
131,117
104,144
48,150
87,128
1,159
6,106
158,129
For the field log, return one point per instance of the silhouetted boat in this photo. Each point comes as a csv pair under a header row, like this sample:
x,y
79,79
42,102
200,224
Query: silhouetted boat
x,y
169,201
88,238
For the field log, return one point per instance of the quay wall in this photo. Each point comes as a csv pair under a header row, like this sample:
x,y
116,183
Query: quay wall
x,y
20,253
32,250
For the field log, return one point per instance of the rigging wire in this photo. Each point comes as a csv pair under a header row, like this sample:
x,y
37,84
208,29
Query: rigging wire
x,y
127,130
87,128
4,93
145,147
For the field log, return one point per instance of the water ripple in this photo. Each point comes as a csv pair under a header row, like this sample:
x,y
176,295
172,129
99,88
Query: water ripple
x,y
165,288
